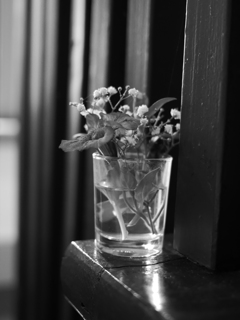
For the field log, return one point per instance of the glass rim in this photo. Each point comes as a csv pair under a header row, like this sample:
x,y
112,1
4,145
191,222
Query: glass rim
x,y
165,158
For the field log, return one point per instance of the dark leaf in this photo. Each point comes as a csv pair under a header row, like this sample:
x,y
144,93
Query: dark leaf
x,y
109,149
75,144
130,124
128,180
121,120
113,178
105,211
92,121
94,139
147,185
113,124
157,106
110,116
120,132
101,136
134,220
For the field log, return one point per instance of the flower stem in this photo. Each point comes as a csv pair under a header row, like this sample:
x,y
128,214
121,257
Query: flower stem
x,y
150,218
159,212
139,212
134,105
111,105
128,204
122,98
123,229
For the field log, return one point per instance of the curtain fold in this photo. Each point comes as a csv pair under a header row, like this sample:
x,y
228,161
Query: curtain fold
x,y
41,195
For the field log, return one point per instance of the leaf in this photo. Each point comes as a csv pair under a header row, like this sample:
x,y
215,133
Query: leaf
x,y
128,180
105,211
110,119
95,139
120,132
120,177
147,186
92,121
119,208
99,137
74,144
109,149
110,116
121,120
113,178
130,124
157,106
113,124
134,220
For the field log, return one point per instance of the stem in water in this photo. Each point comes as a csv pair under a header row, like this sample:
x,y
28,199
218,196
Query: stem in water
x,y
119,217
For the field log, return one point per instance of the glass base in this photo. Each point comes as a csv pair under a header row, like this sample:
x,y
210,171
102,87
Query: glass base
x,y
134,248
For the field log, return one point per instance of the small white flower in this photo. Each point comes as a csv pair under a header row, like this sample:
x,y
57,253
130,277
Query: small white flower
x,y
176,114
131,140
140,95
121,109
154,139
155,134
178,126
169,128
129,132
100,103
73,104
142,110
84,112
111,90
144,121
124,108
95,111
129,113
81,107
133,92
155,131
103,91
96,94
139,132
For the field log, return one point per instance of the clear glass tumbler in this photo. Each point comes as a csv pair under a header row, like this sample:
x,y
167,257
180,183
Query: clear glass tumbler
x,y
131,197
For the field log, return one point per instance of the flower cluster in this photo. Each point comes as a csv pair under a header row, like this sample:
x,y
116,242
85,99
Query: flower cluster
x,y
129,129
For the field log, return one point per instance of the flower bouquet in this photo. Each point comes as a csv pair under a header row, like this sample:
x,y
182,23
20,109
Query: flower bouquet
x,y
132,168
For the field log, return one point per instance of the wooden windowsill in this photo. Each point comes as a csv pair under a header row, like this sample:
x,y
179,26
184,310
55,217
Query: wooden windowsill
x,y
169,287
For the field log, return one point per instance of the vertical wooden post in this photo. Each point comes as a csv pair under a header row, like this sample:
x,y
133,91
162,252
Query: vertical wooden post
x,y
207,219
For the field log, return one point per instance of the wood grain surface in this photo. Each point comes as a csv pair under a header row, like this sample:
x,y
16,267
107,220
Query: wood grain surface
x,y
206,219
99,287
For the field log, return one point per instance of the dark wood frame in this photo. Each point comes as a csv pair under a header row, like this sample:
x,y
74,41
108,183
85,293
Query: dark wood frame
x,y
206,217
167,287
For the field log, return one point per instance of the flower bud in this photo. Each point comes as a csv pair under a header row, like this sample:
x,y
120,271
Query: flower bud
x,y
176,114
